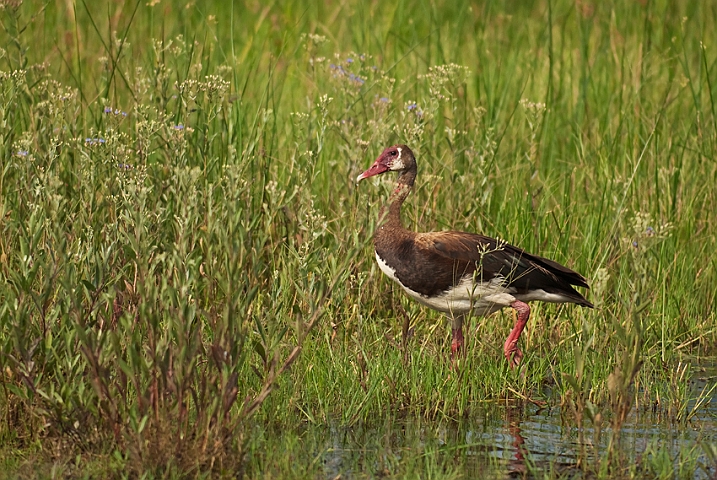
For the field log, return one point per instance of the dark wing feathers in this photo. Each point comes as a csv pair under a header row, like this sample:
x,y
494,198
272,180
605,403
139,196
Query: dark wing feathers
x,y
494,257
572,277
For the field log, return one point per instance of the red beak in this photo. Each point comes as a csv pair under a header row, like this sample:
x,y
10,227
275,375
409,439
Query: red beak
x,y
376,169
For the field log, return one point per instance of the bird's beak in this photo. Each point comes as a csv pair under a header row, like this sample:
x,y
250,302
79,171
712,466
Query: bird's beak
x,y
376,169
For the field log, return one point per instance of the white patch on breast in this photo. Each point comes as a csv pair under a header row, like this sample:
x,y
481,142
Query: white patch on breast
x,y
390,272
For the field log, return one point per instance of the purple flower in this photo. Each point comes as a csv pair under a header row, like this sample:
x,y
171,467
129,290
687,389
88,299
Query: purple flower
x,y
178,127
349,60
650,231
411,107
22,153
94,141
384,99
124,166
116,111
356,79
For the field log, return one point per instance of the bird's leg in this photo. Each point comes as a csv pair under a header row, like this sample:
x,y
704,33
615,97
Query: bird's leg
x,y
457,334
510,349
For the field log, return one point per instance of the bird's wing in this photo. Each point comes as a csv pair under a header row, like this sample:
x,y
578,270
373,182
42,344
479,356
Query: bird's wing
x,y
498,258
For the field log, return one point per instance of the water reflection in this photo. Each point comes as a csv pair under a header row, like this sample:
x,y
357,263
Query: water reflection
x,y
517,440
516,464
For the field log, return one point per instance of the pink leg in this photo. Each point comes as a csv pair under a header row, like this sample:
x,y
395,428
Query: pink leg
x,y
457,343
457,337
510,349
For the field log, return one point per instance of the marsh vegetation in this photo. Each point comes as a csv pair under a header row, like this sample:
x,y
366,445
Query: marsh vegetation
x,y
189,286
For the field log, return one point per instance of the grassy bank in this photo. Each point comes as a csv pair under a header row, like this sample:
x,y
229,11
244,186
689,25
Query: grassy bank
x,y
188,262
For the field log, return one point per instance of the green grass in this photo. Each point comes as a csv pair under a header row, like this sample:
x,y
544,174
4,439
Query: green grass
x,y
187,262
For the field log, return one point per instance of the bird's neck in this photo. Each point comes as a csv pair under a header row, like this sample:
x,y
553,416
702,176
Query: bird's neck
x,y
404,185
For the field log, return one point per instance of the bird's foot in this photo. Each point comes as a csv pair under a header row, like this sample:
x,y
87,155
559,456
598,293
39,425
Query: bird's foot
x,y
514,355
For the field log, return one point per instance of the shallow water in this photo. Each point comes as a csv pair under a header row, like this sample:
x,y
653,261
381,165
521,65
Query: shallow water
x,y
516,441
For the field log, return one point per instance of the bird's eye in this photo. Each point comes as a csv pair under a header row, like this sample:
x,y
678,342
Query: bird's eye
x,y
393,153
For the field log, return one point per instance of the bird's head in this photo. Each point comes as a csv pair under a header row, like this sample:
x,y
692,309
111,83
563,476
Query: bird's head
x,y
397,158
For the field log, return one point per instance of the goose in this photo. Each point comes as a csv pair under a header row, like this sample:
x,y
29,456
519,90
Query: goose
x,y
459,272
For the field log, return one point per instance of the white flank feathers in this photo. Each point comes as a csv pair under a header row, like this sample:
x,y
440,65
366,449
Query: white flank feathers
x,y
483,298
